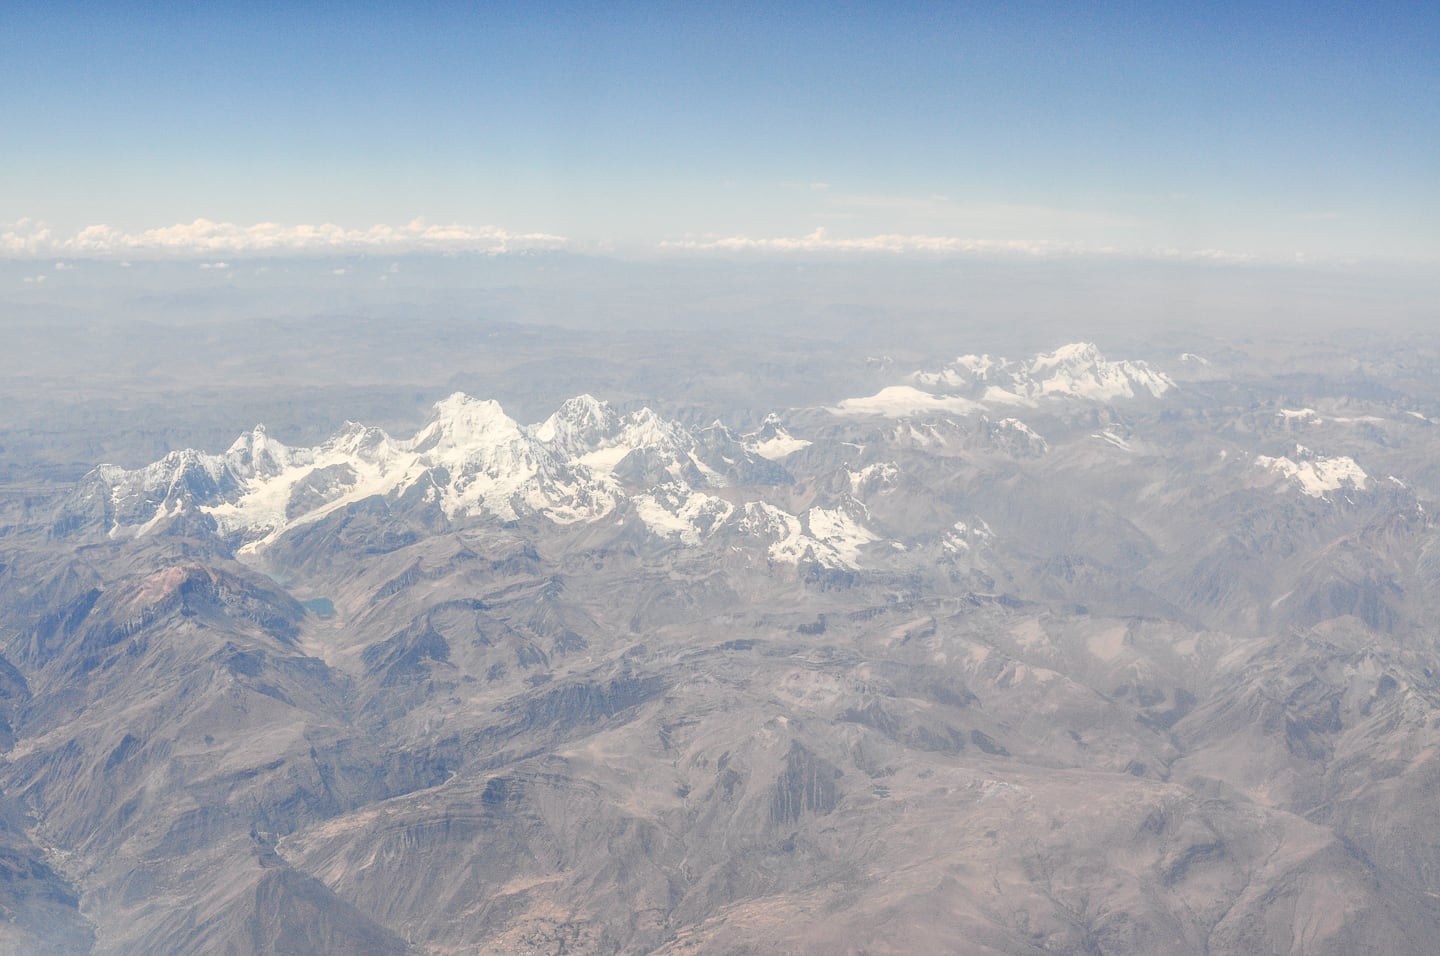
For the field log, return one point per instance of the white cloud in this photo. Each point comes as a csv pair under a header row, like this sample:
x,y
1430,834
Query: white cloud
x,y
820,241
28,238
209,241
1204,255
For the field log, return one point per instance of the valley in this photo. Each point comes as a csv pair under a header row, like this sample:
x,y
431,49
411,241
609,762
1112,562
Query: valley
x,y
1049,654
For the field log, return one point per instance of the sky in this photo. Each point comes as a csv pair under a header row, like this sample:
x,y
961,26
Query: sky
x,y
1232,132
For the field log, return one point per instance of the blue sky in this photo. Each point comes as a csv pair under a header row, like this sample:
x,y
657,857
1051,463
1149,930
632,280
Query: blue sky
x,y
1274,131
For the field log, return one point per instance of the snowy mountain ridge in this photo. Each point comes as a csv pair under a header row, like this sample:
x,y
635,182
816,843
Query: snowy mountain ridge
x,y
587,461
581,464
1316,474
974,383
1077,370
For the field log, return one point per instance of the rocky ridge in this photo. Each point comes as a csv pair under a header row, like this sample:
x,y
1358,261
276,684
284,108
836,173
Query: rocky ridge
x,y
1084,675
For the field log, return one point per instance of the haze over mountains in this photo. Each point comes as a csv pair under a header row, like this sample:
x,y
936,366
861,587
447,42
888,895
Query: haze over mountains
x,y
1067,652
719,479
471,459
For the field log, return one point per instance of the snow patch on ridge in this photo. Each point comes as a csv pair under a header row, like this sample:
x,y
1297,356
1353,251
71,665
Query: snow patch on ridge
x,y
831,538
880,477
964,536
1112,437
840,532
898,401
675,510
1316,475
1299,415
972,382
772,441
1078,370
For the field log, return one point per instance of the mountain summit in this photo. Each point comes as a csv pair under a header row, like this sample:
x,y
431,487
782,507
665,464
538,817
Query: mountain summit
x,y
1077,371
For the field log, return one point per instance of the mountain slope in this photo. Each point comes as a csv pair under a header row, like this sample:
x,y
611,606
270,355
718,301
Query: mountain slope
x,y
1094,674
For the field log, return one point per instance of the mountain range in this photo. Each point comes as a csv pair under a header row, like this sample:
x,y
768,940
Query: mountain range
x,y
1054,655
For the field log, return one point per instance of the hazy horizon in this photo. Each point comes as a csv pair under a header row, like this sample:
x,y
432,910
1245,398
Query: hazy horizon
x,y
719,478
1231,132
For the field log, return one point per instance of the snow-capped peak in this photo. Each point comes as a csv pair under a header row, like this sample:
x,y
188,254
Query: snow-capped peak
x,y
462,422
580,424
645,429
1076,353
772,441
978,366
1075,371
1316,474
470,459
1079,370
831,538
589,432
256,454
365,442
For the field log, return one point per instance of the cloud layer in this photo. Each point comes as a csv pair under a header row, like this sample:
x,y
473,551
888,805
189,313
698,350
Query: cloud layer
x,y
205,239
29,238
894,243
820,241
